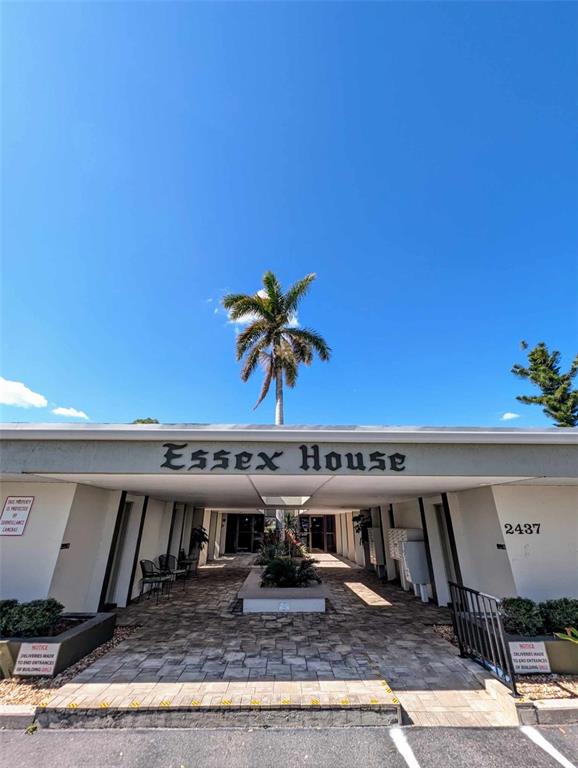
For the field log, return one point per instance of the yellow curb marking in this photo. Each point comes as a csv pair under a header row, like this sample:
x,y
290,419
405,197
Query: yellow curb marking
x,y
103,704
374,701
226,702
255,702
195,703
135,704
285,701
395,701
165,703
44,703
72,705
315,702
344,702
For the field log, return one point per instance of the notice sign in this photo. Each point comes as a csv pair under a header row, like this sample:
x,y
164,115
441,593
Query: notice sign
x,y
529,657
37,659
15,514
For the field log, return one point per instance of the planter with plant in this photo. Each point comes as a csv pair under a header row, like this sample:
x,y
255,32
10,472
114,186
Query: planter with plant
x,y
288,573
43,621
550,622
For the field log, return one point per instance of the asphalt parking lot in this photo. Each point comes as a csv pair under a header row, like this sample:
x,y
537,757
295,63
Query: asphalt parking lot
x,y
270,748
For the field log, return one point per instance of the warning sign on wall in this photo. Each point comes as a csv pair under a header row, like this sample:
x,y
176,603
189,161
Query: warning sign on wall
x,y
529,657
37,659
15,514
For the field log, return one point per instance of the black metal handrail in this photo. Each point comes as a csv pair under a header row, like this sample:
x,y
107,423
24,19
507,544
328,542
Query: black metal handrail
x,y
478,627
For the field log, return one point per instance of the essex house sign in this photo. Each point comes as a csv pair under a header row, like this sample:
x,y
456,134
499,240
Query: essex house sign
x,y
182,457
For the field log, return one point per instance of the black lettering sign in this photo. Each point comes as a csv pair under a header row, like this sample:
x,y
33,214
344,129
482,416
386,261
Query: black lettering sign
x,y
397,462
268,461
312,455
221,459
359,464
333,461
172,453
378,461
243,460
198,459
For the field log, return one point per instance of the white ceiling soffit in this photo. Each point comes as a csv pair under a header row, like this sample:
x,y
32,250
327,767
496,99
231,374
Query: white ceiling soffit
x,y
240,491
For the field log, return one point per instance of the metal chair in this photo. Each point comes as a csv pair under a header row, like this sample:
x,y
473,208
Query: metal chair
x,y
168,564
154,578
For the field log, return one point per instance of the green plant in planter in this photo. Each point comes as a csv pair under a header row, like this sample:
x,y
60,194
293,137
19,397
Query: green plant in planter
x,y
571,635
361,523
288,572
521,616
559,614
33,619
199,538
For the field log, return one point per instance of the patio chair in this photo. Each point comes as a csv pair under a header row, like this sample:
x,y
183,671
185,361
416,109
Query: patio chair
x,y
187,562
152,577
168,564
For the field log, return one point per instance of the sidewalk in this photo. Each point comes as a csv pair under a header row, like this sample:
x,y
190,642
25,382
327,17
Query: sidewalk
x,y
374,648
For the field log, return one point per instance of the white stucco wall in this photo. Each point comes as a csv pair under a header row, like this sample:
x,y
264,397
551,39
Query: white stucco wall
x,y
407,514
206,523
154,536
477,533
27,562
119,590
80,569
545,564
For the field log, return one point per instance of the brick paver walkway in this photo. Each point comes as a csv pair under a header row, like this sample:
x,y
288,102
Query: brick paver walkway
x,y
375,645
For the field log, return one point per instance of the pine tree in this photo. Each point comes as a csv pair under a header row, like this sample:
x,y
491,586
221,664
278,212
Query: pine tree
x,y
558,400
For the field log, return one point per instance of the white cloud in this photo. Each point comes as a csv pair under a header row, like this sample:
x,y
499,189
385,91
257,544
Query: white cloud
x,y
69,412
18,394
508,416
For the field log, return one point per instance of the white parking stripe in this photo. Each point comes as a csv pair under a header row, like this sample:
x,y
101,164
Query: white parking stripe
x,y
399,739
538,739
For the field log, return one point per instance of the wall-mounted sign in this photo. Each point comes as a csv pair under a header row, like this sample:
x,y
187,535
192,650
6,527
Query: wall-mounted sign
x,y
529,657
179,457
15,514
37,659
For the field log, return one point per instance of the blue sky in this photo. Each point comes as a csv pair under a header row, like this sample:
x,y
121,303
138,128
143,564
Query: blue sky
x,y
419,157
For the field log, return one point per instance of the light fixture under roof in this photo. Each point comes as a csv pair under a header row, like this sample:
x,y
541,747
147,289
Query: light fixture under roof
x,y
285,501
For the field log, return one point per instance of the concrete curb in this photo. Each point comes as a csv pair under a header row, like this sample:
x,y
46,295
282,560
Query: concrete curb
x,y
215,717
16,716
548,712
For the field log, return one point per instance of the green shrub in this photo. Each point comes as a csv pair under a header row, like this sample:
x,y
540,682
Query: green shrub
x,y
559,614
288,572
521,616
34,619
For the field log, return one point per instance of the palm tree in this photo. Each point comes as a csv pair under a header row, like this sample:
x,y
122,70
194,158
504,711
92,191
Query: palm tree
x,y
272,337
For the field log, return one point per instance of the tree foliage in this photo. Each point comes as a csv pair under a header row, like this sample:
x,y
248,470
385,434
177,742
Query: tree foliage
x,y
559,400
148,420
272,338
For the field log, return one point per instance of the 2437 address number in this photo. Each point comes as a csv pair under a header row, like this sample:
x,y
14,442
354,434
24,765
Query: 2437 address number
x,y
522,528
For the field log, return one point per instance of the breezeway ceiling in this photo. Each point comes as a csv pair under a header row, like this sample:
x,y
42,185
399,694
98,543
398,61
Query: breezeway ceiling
x,y
246,491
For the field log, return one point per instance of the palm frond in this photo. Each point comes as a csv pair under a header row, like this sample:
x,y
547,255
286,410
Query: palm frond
x,y
315,340
251,360
258,329
240,305
267,380
296,293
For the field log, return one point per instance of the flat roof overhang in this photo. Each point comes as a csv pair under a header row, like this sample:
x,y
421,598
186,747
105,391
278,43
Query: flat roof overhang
x,y
289,433
415,461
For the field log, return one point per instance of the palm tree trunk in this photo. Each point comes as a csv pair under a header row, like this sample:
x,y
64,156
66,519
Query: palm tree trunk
x,y
279,397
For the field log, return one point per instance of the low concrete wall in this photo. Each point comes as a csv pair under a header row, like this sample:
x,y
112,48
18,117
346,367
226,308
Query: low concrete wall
x,y
74,643
258,599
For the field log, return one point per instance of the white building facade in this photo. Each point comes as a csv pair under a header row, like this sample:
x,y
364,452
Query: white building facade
x,y
497,509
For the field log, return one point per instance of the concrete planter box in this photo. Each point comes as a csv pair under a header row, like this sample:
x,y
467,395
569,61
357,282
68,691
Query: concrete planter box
x,y
562,655
75,642
258,599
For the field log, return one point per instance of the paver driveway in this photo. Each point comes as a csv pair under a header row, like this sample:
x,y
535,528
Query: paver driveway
x,y
374,637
